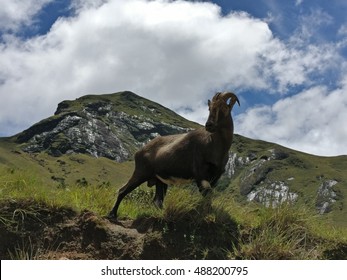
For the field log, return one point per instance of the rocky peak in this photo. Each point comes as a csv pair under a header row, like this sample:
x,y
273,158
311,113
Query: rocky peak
x,y
113,126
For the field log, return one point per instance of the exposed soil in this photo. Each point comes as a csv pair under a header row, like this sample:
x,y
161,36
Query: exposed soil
x,y
30,230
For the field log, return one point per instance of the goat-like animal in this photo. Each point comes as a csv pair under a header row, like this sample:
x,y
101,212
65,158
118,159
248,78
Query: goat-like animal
x,y
199,155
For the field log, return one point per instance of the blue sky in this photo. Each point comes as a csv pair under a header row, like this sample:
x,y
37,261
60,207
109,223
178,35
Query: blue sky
x,y
286,60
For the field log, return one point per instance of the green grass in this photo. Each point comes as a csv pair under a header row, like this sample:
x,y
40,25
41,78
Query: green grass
x,y
282,233
21,186
64,171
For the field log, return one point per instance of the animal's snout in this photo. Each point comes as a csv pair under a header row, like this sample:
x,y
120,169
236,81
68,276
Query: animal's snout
x,y
210,126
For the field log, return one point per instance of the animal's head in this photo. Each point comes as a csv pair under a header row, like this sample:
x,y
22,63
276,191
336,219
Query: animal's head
x,y
220,108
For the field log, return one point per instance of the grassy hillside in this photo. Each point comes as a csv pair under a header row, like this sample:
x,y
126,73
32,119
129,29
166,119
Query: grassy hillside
x,y
63,171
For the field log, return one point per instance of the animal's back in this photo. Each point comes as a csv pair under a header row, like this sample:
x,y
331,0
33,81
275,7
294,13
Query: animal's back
x,y
169,156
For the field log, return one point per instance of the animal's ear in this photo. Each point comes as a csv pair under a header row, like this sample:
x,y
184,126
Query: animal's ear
x,y
209,103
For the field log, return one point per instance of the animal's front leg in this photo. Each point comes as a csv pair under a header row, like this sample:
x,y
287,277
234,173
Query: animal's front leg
x,y
160,192
216,177
202,178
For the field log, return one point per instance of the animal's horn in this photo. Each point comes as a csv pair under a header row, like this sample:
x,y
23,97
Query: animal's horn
x,y
234,99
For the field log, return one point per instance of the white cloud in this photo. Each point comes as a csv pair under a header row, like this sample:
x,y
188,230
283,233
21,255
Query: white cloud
x,y
312,121
298,2
292,65
81,5
309,26
342,30
174,52
15,13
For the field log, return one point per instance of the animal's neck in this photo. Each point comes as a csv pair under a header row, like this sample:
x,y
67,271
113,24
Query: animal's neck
x,y
225,134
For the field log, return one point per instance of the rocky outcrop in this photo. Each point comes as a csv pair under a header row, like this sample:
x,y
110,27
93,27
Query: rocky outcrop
x,y
255,184
112,126
326,196
272,195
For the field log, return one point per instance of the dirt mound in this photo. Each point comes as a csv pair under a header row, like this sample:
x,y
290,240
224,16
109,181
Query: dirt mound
x,y
32,230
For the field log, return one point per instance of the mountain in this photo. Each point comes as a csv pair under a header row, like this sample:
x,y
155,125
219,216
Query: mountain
x,y
92,140
112,126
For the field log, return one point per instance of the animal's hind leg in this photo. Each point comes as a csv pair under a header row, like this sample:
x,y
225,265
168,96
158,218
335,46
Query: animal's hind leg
x,y
204,187
132,184
160,192
206,191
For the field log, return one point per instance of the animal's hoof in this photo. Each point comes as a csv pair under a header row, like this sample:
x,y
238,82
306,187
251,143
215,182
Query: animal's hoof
x,y
111,216
206,191
158,204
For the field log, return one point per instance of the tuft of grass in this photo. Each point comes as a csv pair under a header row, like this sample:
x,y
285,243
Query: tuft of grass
x,y
281,233
138,204
24,251
181,203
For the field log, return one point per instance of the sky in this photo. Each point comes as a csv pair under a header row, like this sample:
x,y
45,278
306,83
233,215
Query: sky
x,y
285,60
